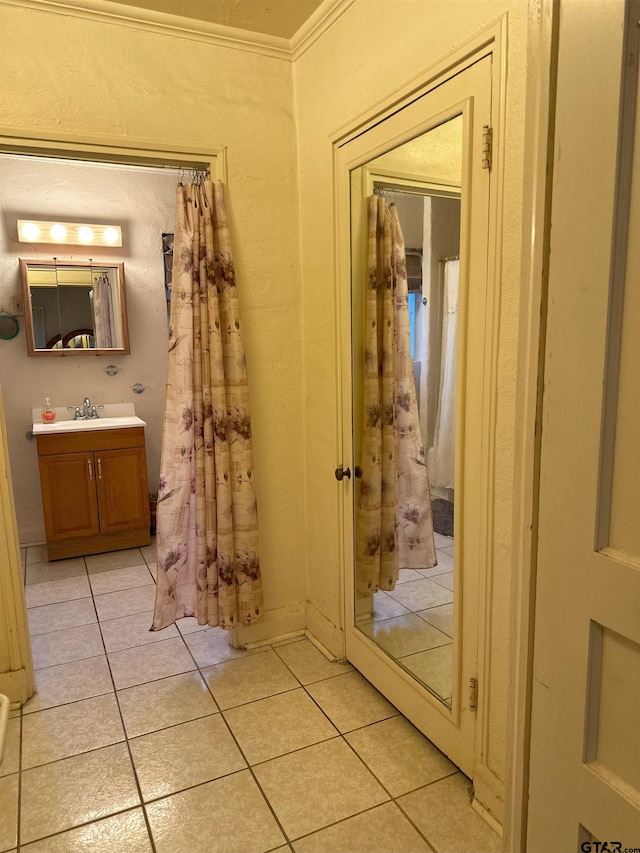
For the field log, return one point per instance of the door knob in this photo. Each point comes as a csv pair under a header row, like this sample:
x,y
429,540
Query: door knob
x,y
357,472
342,472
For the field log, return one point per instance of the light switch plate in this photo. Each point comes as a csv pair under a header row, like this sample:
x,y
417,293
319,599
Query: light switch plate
x,y
17,306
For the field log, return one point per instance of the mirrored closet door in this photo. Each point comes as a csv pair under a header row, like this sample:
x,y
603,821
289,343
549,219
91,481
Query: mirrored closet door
x,y
418,215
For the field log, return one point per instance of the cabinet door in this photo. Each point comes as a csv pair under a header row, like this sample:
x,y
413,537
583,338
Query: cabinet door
x,y
69,495
122,489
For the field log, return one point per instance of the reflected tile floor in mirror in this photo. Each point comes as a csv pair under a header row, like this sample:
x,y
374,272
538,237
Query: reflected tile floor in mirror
x,y
140,741
414,623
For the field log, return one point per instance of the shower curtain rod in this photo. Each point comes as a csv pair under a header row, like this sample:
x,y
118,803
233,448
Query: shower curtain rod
x,y
382,191
198,174
449,258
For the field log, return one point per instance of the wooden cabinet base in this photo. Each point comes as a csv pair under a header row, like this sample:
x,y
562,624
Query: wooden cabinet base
x,y
83,545
94,491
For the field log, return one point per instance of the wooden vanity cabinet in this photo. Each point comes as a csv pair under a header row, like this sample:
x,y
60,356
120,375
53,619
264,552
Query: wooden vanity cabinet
x,y
94,491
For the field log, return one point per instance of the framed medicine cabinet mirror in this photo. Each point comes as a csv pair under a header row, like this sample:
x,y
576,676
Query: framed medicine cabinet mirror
x,y
74,307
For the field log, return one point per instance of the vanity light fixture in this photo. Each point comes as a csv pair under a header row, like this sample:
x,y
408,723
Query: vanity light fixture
x,y
71,233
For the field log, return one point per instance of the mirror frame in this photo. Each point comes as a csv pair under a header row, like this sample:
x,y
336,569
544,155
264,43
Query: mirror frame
x,y
25,263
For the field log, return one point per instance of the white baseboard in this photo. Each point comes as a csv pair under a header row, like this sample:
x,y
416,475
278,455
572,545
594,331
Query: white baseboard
x,y
325,634
323,649
277,625
487,817
488,797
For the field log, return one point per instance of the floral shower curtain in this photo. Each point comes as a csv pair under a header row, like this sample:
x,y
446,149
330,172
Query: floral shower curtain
x,y
394,526
207,525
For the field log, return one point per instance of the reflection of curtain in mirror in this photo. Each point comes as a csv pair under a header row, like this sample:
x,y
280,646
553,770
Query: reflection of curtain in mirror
x,y
441,455
207,517
414,522
393,521
39,327
104,321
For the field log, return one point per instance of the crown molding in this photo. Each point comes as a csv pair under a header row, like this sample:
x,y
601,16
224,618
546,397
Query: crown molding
x,y
322,19
180,27
159,22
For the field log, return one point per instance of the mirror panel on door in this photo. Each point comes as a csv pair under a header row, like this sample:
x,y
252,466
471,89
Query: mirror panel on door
x,y
410,615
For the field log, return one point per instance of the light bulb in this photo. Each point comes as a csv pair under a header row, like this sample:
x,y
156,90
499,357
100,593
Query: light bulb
x,y
30,231
73,233
58,231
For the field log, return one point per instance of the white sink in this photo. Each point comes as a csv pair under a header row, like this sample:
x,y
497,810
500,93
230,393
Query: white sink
x,y
112,416
93,423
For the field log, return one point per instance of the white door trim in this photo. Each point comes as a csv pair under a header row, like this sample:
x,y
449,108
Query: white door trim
x,y
539,119
17,678
110,149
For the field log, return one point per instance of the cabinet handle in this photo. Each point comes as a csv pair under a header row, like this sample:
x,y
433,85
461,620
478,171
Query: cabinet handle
x,y
90,469
99,469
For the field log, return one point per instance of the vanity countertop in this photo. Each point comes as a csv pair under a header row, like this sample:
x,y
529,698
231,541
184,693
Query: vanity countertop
x,y
112,416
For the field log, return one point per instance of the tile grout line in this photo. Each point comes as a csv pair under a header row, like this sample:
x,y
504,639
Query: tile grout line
x,y
85,752
392,798
258,785
337,736
233,737
124,728
20,771
300,685
343,736
340,735
80,825
244,757
410,819
126,740
19,803
19,809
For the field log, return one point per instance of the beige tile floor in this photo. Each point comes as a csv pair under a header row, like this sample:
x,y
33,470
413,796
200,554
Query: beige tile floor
x,y
174,742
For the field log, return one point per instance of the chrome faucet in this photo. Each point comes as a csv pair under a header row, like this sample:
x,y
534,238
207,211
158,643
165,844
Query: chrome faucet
x,y
87,412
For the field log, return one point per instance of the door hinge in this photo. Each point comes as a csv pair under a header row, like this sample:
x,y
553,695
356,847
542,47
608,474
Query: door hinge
x,y
487,146
473,694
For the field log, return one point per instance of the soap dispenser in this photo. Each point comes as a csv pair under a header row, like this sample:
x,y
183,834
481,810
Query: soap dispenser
x,y
48,413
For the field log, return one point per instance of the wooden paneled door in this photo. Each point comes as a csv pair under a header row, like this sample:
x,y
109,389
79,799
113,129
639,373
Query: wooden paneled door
x,y
585,727
122,489
69,482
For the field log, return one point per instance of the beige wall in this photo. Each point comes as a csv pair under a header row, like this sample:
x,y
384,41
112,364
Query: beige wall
x,y
378,46
127,83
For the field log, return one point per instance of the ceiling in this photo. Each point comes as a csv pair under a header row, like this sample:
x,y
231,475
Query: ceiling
x,y
280,18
